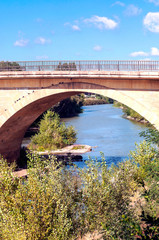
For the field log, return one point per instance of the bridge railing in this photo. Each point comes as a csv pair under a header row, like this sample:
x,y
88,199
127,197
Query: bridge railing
x,y
101,65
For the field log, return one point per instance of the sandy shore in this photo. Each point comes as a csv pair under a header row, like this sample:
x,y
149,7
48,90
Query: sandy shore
x,y
76,149
72,150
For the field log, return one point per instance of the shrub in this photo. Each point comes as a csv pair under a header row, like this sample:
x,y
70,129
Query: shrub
x,y
56,203
42,206
52,134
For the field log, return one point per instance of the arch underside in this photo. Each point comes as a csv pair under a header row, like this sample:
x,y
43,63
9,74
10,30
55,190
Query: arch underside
x,y
20,115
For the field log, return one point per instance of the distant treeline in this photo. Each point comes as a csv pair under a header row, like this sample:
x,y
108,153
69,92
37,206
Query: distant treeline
x,y
10,66
97,99
69,107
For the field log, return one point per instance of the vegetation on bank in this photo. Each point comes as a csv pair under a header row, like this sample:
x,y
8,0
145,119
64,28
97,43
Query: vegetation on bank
x,y
52,134
96,100
54,203
130,113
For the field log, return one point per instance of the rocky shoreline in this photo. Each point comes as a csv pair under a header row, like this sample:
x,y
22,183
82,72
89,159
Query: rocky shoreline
x,y
143,121
67,154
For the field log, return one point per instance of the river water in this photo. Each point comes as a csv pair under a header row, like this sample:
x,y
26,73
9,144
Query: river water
x,y
103,128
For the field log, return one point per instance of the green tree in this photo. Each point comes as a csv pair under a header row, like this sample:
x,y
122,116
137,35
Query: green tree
x,y
52,134
146,161
66,67
10,66
69,107
151,135
39,207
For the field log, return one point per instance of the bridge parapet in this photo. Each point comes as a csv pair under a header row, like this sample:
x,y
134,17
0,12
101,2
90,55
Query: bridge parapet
x,y
93,65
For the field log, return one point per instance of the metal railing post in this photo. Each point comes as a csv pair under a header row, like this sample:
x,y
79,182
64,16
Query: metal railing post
x,y
98,66
42,66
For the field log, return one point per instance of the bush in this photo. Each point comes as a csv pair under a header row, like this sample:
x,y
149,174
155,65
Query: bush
x,y
60,204
56,203
52,134
37,208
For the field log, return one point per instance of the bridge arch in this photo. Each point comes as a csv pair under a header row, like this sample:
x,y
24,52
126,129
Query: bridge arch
x,y
20,115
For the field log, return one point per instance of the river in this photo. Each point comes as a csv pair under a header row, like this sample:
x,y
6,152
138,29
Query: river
x,y
103,128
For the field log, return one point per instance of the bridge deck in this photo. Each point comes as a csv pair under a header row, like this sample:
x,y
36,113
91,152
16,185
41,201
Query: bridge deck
x,y
80,74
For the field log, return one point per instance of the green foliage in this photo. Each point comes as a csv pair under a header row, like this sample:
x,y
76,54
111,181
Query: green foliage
x,y
143,157
108,100
69,107
78,147
106,199
60,204
52,134
4,66
66,67
146,159
118,104
56,203
128,111
151,135
40,207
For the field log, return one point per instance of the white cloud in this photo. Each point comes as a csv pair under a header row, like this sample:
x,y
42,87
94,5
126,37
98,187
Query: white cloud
x,y
102,22
132,10
118,3
151,21
140,53
97,48
76,28
42,41
21,43
156,2
154,51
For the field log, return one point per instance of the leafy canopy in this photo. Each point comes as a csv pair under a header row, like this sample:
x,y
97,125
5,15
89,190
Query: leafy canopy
x,y
52,134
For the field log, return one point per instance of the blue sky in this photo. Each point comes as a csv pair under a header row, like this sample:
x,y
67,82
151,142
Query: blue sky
x,y
79,30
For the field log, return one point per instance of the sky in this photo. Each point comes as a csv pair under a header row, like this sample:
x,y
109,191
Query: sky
x,y
79,30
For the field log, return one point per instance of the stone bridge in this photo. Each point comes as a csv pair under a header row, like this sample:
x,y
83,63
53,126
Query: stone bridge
x,y
24,95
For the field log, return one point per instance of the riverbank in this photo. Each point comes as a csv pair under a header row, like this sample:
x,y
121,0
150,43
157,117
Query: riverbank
x,y
70,153
130,114
135,119
66,155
